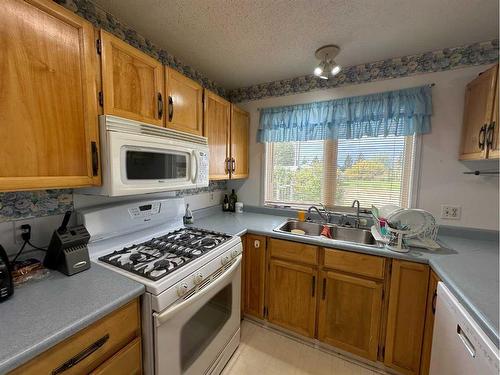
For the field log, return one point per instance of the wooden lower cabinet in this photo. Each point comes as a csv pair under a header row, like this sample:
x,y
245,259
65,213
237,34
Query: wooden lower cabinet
x,y
406,316
292,296
255,275
349,313
127,361
112,343
425,361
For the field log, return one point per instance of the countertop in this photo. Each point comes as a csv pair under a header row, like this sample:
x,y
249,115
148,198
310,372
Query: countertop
x,y
44,312
469,267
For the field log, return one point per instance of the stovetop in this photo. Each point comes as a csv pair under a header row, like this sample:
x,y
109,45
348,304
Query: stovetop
x,y
158,257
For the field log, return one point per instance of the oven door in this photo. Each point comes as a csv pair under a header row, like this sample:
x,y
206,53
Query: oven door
x,y
143,164
190,335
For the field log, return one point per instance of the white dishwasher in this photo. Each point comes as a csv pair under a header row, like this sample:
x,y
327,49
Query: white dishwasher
x,y
459,346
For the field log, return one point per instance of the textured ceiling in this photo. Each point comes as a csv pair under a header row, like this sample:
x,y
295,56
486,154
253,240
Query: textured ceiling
x,y
238,43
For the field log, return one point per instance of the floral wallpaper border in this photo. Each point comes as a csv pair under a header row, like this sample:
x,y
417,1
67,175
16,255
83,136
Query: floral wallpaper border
x,y
428,62
31,204
102,19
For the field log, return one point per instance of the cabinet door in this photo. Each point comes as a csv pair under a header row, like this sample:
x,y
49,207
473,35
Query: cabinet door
x,y
240,126
255,275
184,103
217,117
349,313
132,82
429,324
478,108
48,102
493,128
406,316
292,296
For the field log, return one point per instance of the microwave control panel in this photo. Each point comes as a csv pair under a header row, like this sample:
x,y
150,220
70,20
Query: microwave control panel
x,y
145,211
203,167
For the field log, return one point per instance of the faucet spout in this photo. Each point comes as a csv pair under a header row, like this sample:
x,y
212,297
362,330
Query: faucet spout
x,y
356,203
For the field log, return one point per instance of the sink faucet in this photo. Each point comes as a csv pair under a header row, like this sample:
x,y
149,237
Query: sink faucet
x,y
325,216
356,203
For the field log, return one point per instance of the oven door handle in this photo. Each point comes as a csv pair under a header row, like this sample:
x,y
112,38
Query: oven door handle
x,y
169,313
195,165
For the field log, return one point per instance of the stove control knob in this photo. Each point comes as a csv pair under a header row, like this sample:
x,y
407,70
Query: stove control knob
x,y
225,260
198,278
234,253
182,289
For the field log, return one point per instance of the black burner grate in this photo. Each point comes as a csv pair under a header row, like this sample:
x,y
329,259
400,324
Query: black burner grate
x,y
158,257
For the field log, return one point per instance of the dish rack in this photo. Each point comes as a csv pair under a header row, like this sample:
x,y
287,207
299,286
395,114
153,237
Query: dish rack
x,y
423,235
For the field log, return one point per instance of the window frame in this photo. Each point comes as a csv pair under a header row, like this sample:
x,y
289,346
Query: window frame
x,y
330,153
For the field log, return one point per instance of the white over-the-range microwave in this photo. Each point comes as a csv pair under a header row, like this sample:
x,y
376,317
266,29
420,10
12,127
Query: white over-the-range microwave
x,y
139,158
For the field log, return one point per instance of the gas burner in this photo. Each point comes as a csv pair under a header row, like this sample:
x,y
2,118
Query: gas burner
x,y
159,256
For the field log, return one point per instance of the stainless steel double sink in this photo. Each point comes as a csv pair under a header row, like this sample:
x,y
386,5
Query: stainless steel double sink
x,y
314,229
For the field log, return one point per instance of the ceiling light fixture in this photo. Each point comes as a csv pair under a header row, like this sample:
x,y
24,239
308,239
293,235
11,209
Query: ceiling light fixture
x,y
327,67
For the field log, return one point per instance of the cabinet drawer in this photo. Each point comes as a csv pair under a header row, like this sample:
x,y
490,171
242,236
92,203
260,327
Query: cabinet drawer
x,y
294,251
126,361
360,264
89,347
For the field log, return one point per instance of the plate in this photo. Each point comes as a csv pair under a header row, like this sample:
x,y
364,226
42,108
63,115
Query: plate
x,y
415,221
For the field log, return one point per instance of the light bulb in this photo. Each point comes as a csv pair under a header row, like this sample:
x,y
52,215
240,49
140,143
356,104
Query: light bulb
x,y
336,69
318,71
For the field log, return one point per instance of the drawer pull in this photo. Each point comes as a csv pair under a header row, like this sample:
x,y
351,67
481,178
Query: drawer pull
x,y
81,356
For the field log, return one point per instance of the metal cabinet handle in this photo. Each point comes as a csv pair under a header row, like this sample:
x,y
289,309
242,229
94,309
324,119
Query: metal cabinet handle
x,y
482,137
160,105
324,289
490,134
81,356
434,302
95,158
313,286
226,166
170,108
233,165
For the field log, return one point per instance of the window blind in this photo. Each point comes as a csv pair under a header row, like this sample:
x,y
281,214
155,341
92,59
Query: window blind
x,y
375,170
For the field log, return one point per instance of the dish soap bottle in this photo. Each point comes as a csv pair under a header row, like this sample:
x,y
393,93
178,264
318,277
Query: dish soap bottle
x,y
225,204
188,216
233,198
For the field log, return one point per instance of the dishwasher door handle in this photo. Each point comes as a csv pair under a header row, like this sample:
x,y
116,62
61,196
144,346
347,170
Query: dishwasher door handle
x,y
465,340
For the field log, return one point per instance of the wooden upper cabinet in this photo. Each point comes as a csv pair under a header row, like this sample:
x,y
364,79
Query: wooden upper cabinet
x,y
406,316
217,117
493,135
132,82
184,103
349,313
240,126
292,296
254,258
478,111
48,100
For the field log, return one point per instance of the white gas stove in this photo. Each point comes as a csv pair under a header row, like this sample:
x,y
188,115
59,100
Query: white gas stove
x,y
191,308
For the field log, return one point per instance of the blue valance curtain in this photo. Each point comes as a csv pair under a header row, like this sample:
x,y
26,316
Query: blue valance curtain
x,y
401,112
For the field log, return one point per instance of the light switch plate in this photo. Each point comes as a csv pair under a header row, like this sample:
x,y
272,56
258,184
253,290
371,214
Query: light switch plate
x,y
451,212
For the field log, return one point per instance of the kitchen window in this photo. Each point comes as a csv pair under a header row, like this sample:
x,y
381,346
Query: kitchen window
x,y
375,170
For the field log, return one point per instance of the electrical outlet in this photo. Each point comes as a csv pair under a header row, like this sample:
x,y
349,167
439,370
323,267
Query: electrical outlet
x,y
18,231
451,212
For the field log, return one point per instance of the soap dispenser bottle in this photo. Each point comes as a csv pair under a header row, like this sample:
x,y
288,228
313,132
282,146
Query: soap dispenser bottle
x,y
188,216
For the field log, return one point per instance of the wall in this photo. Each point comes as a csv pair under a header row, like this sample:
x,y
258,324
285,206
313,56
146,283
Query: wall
x,y
441,175
44,210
